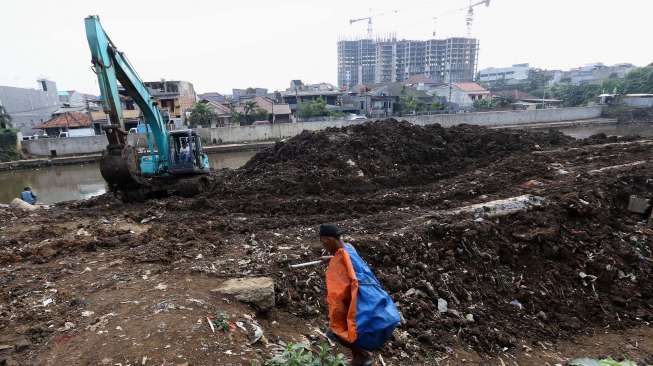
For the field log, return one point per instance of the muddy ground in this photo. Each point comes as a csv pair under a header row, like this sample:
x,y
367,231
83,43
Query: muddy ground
x,y
102,282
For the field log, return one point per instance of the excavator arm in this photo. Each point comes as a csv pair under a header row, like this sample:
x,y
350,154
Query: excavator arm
x,y
111,66
176,164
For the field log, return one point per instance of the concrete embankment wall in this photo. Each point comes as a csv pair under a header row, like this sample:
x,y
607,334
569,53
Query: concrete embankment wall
x,y
504,118
489,119
66,146
234,135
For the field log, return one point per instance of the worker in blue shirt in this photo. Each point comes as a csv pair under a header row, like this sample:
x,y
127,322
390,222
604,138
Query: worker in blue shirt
x,y
28,196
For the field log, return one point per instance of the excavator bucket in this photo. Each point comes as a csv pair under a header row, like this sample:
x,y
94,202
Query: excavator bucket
x,y
119,168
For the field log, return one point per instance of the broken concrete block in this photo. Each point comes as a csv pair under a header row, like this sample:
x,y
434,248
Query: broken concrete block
x,y
638,205
22,205
22,344
257,291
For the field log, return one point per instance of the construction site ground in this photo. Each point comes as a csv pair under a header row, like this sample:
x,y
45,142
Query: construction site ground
x,y
567,274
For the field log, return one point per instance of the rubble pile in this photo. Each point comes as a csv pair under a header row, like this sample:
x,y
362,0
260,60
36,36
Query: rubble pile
x,y
544,274
467,281
381,154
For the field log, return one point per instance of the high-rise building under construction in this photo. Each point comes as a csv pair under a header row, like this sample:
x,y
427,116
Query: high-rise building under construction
x,y
368,61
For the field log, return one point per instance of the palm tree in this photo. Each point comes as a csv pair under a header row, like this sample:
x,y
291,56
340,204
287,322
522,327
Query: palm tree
x,y
5,118
249,106
201,115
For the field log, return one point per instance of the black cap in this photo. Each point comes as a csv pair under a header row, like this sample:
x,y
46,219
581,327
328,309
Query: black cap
x,y
330,230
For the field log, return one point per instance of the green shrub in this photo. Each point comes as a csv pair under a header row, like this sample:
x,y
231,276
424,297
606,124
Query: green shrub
x,y
299,354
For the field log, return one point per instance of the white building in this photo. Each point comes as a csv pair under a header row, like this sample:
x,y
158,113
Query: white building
x,y
516,72
595,73
462,94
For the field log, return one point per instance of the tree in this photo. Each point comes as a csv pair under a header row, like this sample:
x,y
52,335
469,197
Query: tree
x,y
259,114
408,104
5,118
537,80
575,95
639,80
248,108
313,108
236,116
201,115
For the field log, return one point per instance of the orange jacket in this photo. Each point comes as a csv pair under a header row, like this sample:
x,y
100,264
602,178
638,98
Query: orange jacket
x,y
342,290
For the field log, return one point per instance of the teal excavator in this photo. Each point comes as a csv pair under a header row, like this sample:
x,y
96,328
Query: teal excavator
x,y
174,161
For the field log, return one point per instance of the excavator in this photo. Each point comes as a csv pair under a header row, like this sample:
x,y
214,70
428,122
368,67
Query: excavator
x,y
174,161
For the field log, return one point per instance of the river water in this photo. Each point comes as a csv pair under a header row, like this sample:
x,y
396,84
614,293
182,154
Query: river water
x,y
73,182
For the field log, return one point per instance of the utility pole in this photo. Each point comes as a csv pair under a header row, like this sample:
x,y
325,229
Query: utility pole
x,y
450,49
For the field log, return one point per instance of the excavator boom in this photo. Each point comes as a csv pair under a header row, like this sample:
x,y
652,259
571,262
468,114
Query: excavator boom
x,y
124,169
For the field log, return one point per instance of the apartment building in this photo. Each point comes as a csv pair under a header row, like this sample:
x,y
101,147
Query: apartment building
x,y
388,60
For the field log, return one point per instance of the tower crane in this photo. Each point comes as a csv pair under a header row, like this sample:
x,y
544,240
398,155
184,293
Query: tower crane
x,y
370,33
469,19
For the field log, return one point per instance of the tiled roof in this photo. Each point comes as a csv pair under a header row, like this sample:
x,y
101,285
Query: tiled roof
x,y
69,120
219,107
419,79
470,87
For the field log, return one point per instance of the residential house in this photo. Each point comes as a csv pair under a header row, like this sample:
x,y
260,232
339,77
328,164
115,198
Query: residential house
x,y
71,98
131,114
461,95
65,122
30,107
384,100
421,82
212,97
295,97
279,113
222,112
239,94
175,98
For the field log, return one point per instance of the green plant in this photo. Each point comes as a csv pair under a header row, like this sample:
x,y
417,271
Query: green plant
x,y
605,362
201,115
313,108
221,322
5,118
299,354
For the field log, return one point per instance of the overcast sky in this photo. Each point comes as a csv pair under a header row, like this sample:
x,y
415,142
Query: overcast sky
x,y
219,45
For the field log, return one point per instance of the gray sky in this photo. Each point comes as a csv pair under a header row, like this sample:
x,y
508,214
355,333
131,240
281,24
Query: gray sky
x,y
219,45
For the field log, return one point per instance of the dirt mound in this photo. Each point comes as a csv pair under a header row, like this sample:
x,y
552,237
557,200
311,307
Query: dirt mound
x,y
381,154
580,261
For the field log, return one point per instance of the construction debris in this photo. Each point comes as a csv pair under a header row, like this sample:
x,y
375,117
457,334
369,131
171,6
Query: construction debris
x,y
258,291
480,242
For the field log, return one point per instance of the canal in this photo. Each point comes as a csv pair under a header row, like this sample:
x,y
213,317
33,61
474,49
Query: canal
x,y
73,182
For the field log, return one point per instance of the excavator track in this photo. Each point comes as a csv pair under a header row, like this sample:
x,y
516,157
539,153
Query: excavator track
x,y
119,168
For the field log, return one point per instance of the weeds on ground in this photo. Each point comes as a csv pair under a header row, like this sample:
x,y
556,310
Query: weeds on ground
x,y
299,354
221,322
604,362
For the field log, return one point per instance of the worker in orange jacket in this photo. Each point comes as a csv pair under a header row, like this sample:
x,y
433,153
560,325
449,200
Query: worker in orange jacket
x,y
362,316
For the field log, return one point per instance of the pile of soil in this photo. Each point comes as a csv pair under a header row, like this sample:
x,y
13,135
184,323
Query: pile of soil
x,y
579,263
382,154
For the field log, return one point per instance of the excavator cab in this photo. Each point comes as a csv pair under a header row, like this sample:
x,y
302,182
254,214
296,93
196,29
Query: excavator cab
x,y
186,154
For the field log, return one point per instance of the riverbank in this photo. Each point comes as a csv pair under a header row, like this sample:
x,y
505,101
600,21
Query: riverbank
x,y
93,158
